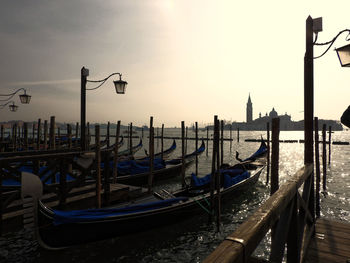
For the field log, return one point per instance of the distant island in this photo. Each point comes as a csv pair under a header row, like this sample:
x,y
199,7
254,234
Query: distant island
x,y
286,124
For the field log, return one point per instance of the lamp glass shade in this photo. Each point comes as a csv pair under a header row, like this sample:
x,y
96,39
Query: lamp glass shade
x,y
344,55
120,86
13,107
25,99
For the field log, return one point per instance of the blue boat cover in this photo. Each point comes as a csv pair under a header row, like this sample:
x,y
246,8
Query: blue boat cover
x,y
14,182
202,181
88,215
136,167
229,181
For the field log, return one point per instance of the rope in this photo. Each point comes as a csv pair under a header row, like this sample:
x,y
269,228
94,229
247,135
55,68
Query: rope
x,y
204,208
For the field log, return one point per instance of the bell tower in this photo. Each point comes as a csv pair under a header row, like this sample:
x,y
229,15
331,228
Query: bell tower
x,y
249,110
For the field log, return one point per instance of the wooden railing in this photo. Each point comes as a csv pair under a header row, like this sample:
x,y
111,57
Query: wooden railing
x,y
290,216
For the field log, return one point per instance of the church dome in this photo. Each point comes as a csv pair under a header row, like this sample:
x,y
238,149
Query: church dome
x,y
273,113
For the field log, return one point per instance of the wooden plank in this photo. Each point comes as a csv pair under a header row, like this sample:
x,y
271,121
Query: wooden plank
x,y
321,257
331,242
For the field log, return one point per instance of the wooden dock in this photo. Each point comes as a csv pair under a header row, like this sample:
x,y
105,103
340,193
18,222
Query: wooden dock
x,y
331,242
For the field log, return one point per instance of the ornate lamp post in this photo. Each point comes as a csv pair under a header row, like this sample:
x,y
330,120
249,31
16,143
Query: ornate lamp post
x,y
120,86
25,98
13,107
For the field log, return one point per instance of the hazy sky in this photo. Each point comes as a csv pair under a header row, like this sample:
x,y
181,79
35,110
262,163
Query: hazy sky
x,y
183,59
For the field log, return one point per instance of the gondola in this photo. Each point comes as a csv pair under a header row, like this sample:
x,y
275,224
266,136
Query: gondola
x,y
166,152
261,152
60,229
163,169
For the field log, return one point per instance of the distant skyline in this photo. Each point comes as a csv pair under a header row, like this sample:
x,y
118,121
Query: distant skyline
x,y
183,60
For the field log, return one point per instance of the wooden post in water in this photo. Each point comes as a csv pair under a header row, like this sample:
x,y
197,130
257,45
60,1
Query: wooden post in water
x,y
329,145
2,132
77,134
69,135
275,155
38,135
107,135
33,135
88,136
213,169
207,140
63,183
237,134
324,157
115,157
268,153
186,139
25,136
231,138
183,153
59,137
45,135
222,144
317,164
14,137
217,172
142,132
196,131
98,166
150,177
52,133
130,138
162,142
106,173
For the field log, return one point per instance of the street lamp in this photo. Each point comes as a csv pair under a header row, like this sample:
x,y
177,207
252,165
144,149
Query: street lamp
x,y
344,55
25,98
13,107
119,85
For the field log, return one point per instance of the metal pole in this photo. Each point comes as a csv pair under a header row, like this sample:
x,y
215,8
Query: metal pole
x,y
84,73
308,92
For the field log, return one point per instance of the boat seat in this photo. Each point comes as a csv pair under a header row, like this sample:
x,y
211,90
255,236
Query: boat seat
x,y
164,194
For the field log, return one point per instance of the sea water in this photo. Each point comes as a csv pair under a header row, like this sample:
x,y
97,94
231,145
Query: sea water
x,y
192,239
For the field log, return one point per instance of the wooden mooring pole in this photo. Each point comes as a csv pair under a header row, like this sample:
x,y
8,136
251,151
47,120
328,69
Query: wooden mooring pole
x,y
231,138
38,135
268,153
130,139
219,161
108,134
221,144
329,145
237,134
45,134
52,133
115,157
162,142
76,134
317,164
275,155
183,154
150,147
207,140
196,148
25,135
98,166
213,169
324,157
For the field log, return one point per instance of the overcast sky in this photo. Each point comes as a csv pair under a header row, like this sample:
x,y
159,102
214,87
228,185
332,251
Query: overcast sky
x,y
183,59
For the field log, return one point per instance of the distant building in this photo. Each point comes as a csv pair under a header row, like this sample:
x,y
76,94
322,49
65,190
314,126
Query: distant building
x,y
286,123
249,110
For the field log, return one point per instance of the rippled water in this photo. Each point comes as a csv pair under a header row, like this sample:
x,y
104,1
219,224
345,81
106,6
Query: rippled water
x,y
191,240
